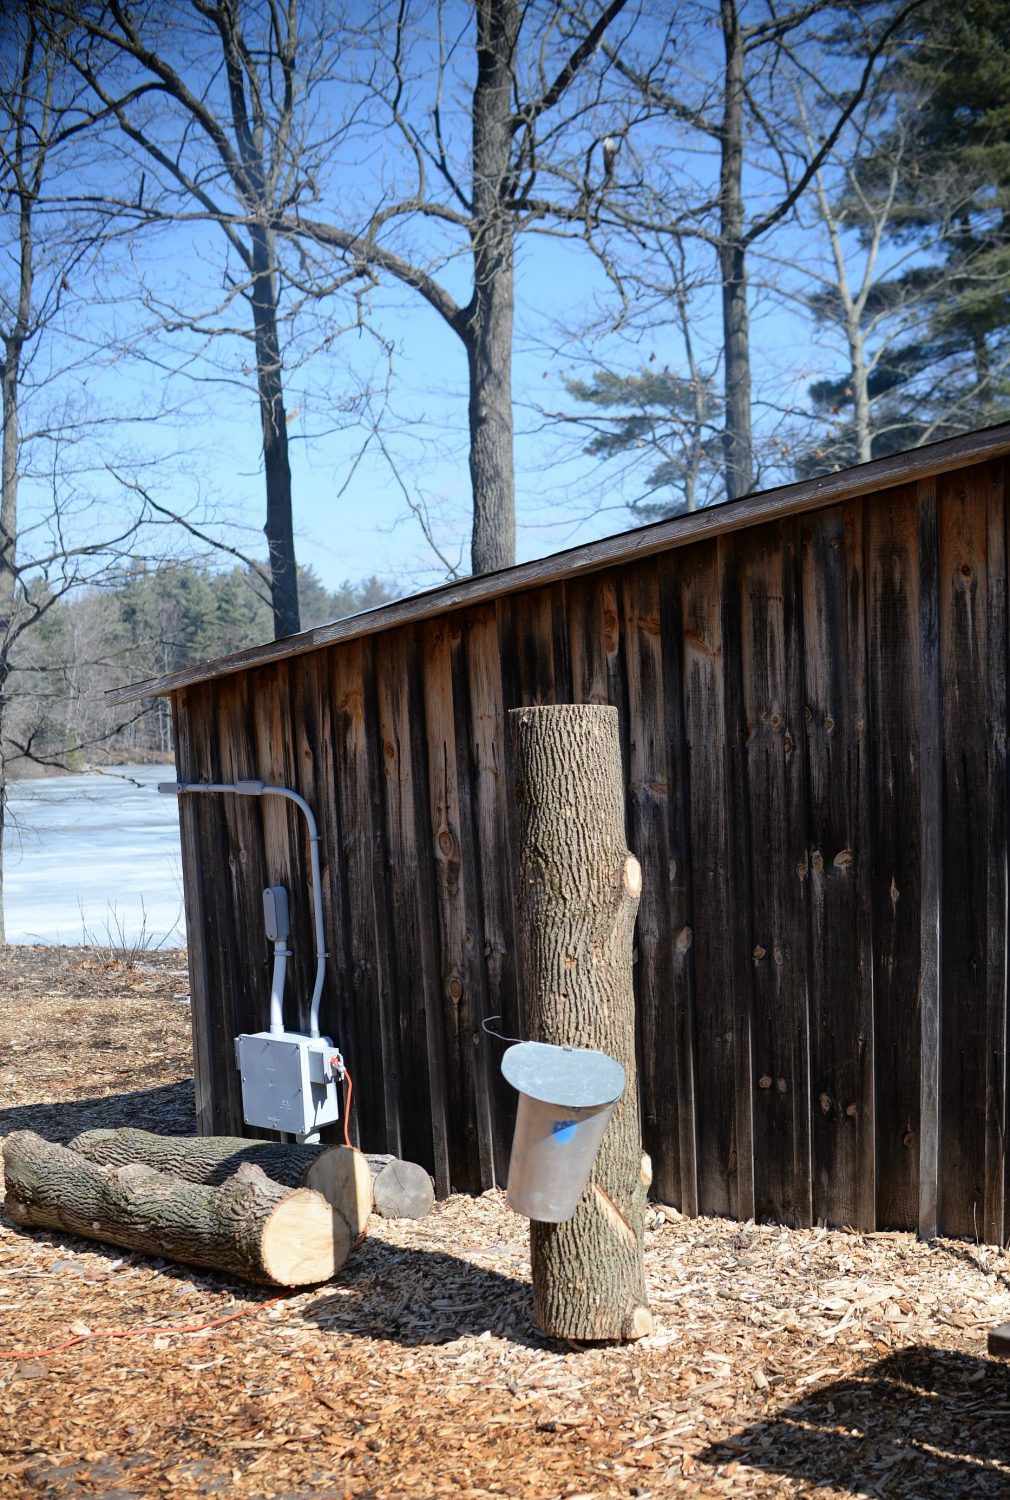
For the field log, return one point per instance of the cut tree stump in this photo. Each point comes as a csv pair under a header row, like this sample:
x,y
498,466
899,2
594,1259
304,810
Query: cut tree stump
x,y
250,1226
577,898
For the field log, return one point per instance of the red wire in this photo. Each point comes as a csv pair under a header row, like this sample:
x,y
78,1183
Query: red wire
x,y
347,1106
136,1333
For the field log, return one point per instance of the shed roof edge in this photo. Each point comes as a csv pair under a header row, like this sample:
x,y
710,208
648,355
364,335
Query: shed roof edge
x,y
627,546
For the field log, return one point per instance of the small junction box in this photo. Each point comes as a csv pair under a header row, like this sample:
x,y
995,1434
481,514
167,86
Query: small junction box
x,y
289,1081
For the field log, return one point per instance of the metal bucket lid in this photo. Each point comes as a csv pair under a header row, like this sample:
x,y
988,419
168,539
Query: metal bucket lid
x,y
572,1076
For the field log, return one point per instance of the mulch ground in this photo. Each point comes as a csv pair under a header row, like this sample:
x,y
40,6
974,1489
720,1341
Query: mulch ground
x,y
785,1362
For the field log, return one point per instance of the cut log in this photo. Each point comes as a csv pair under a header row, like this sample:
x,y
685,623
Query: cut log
x,y
340,1173
403,1190
577,898
250,1226
348,1179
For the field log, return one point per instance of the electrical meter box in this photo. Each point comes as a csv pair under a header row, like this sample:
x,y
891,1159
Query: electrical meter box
x,y
289,1081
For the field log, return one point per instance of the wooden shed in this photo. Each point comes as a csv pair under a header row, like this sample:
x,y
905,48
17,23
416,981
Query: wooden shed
x,y
812,690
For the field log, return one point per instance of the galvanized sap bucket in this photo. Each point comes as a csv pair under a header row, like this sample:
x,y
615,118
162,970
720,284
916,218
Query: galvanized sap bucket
x,y
566,1098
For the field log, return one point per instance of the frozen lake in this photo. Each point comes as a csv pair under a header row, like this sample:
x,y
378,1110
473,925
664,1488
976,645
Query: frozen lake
x,y
94,858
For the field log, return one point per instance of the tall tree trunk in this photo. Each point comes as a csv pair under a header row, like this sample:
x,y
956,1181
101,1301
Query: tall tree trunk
x,y
860,391
577,891
279,527
488,318
8,576
738,442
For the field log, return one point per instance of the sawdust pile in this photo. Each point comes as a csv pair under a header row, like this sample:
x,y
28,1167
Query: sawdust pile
x,y
785,1362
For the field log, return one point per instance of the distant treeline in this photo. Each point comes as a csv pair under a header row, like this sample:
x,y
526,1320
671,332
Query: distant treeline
x,y
153,619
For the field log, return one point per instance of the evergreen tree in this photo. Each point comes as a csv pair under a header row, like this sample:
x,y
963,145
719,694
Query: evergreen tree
x,y
951,110
674,419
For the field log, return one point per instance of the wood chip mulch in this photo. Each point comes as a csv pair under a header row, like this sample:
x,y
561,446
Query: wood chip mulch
x,y
785,1362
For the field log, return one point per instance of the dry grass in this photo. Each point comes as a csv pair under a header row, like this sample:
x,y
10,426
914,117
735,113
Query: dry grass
x,y
785,1362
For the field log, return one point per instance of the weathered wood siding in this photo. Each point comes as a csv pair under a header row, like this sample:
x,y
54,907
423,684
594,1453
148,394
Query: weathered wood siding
x,y
813,715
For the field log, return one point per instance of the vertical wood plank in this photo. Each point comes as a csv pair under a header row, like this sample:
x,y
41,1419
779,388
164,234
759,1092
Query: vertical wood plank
x,y
679,885
412,904
243,1000
205,823
493,854
648,839
771,661
891,539
593,637
721,940
374,1031
198,952
931,843
963,528
994,1211
461,974
841,940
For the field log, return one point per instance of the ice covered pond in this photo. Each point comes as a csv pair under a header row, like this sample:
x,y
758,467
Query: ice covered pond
x,y
94,858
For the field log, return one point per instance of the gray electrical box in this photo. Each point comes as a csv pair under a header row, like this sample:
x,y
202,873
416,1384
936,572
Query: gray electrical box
x,y
289,1082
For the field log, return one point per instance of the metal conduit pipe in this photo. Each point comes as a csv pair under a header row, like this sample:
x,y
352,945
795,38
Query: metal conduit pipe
x,y
261,789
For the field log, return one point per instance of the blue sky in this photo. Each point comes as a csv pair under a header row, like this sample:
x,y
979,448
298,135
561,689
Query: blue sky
x,y
201,455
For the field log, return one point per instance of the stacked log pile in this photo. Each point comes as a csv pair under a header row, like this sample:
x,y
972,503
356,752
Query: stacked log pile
x,y
271,1212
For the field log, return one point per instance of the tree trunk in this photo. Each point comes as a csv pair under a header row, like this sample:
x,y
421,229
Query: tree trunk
x,y
738,442
249,1227
488,318
578,891
279,527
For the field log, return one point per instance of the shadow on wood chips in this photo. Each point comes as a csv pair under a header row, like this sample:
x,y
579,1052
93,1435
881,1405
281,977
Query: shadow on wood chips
x,y
168,1110
919,1422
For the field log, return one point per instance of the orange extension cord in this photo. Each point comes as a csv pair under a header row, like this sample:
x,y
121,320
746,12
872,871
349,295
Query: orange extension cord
x,y
138,1333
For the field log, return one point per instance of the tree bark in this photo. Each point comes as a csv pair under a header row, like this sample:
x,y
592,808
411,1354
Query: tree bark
x,y
279,526
348,1179
578,892
249,1227
488,317
340,1173
738,442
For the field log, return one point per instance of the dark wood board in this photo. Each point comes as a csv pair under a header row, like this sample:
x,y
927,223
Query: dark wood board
x,y
891,543
377,1109
412,903
994,1214
461,974
493,853
931,846
649,840
963,528
678,887
773,739
836,868
719,934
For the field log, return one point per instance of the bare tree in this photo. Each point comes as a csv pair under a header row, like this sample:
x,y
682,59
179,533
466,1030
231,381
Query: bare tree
x,y
45,556
740,111
217,98
533,156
